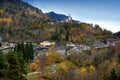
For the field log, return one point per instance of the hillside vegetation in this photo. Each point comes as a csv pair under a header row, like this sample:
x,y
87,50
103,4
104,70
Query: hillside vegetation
x,y
21,21
16,17
94,64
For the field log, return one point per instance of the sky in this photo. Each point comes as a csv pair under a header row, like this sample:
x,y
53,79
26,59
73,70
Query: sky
x,y
105,13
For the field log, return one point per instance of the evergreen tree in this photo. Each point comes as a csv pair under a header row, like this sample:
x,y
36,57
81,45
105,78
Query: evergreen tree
x,y
14,68
113,75
17,47
22,49
31,52
21,64
119,58
67,35
27,52
3,67
0,44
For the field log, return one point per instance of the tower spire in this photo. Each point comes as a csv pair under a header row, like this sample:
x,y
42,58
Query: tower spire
x,y
70,18
69,15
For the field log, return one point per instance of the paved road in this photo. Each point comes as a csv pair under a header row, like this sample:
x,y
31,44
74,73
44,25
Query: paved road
x,y
33,73
5,48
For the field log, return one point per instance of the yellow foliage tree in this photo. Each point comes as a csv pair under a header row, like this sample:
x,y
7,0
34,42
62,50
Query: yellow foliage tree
x,y
91,68
64,66
82,72
1,11
9,21
6,20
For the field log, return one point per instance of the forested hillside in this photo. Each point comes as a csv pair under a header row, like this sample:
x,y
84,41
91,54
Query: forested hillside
x,y
21,21
16,17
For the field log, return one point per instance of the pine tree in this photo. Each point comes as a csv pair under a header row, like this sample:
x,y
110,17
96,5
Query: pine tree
x,y
31,52
119,58
113,75
3,67
14,68
17,47
22,49
27,52
21,64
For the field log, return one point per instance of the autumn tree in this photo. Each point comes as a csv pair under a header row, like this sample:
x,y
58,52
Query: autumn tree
x,y
83,73
54,57
35,65
1,11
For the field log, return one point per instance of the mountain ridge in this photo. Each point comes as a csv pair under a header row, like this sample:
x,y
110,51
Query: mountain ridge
x,y
56,16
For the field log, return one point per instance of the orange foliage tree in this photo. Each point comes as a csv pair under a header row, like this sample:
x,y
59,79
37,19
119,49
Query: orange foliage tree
x,y
35,65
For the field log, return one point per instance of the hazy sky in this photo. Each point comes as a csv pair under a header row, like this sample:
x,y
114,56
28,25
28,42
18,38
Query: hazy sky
x,y
106,13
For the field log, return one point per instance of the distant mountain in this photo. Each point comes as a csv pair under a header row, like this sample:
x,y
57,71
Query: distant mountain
x,y
55,16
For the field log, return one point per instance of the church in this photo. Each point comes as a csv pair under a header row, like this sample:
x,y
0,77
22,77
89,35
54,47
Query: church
x,y
69,19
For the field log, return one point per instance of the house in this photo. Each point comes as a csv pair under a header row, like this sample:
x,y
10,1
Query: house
x,y
70,44
39,50
47,44
61,49
99,45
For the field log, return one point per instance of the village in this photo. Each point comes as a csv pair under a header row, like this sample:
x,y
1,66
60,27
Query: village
x,y
48,46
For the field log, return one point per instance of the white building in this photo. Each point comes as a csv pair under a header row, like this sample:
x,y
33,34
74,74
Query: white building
x,y
69,19
47,44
